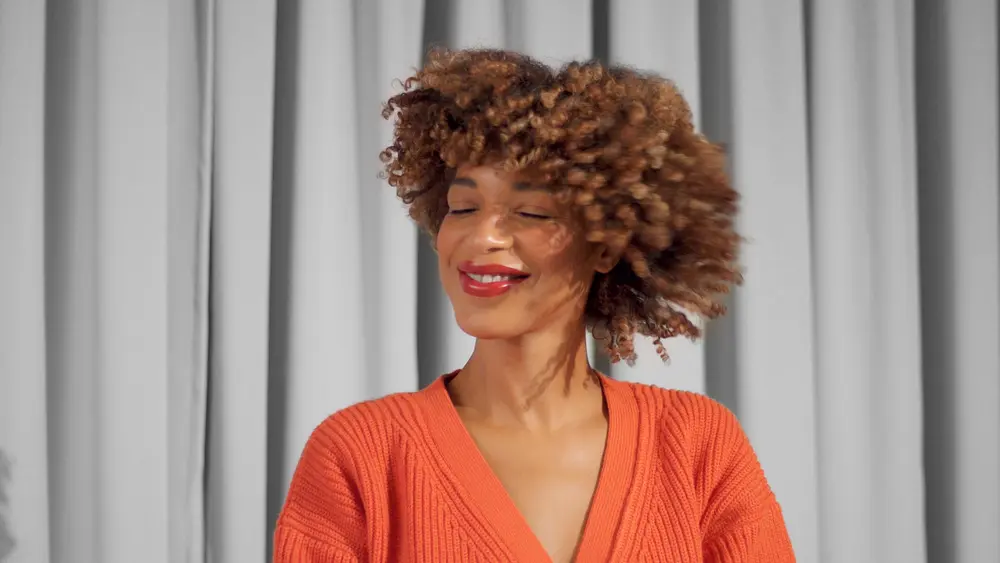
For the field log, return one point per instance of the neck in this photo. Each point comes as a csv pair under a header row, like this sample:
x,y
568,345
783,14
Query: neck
x,y
540,380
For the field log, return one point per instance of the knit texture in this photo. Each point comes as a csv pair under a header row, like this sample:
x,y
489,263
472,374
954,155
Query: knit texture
x,y
399,479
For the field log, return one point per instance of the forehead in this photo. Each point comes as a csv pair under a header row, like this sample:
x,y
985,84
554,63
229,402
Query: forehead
x,y
493,177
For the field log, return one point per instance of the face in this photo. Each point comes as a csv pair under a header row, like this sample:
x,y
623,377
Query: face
x,y
511,258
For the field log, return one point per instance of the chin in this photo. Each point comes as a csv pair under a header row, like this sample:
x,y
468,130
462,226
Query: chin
x,y
490,326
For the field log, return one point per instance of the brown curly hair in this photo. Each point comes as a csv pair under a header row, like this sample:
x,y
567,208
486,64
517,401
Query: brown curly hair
x,y
617,143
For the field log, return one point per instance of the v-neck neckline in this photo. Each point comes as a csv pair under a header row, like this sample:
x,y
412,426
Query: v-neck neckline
x,y
484,489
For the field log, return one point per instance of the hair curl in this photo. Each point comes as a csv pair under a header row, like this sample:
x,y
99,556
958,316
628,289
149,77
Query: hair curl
x,y
617,143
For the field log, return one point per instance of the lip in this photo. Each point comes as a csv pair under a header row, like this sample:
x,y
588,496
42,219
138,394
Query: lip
x,y
489,289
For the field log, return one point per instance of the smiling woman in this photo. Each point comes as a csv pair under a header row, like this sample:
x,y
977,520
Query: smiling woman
x,y
558,201
504,237
616,151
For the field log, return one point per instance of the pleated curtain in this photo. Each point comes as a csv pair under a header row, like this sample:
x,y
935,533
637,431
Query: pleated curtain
x,y
199,262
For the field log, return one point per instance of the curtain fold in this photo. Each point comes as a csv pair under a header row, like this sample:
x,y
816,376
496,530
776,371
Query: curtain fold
x,y
865,263
70,284
317,247
103,198
189,179
895,326
344,256
770,380
957,128
388,44
244,65
200,261
131,278
22,283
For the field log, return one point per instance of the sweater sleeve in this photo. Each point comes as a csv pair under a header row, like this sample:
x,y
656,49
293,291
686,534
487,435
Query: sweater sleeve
x,y
323,518
742,521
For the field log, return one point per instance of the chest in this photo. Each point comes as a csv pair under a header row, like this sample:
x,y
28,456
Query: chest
x,y
549,478
542,496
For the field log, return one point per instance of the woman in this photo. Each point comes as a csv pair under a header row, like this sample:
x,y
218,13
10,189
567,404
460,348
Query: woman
x,y
557,201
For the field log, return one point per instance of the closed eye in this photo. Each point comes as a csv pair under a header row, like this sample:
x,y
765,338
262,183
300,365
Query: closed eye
x,y
533,215
460,211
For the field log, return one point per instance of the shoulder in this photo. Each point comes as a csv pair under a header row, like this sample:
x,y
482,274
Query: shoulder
x,y
685,412
363,431
326,509
705,437
342,467
706,434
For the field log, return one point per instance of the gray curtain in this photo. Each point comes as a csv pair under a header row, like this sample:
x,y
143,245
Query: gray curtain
x,y
199,261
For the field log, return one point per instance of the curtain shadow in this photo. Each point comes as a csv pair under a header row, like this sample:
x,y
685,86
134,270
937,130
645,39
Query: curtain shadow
x,y
438,21
600,22
715,47
937,291
282,204
70,255
431,314
600,51
431,301
513,28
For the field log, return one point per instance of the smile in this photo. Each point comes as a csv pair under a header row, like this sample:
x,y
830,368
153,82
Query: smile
x,y
489,280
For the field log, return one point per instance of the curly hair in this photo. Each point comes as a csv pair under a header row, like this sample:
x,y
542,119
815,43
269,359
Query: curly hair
x,y
616,143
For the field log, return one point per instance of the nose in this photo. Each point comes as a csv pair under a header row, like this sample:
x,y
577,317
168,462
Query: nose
x,y
492,232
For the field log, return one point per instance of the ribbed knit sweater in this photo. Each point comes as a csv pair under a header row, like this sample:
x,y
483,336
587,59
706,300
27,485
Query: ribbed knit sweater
x,y
400,479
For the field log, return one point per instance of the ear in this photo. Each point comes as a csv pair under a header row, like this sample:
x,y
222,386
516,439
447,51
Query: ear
x,y
607,254
605,259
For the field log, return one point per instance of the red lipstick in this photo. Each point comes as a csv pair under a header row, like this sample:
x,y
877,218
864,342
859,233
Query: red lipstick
x,y
489,280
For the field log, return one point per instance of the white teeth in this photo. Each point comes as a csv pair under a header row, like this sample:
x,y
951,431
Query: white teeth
x,y
489,278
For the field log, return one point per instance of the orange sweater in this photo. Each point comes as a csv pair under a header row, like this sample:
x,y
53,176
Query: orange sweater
x,y
400,479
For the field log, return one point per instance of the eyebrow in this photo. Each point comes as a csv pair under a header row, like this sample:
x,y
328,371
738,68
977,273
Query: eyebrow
x,y
520,186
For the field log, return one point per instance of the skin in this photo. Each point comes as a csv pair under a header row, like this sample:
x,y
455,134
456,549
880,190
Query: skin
x,y
528,396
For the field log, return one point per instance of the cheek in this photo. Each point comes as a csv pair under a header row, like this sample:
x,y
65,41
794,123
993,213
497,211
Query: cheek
x,y
445,242
559,252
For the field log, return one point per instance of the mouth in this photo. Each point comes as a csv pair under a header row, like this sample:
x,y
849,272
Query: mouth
x,y
489,280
